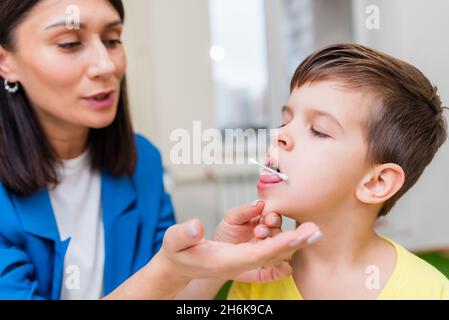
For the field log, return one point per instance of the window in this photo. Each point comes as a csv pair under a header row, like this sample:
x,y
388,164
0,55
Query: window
x,y
239,63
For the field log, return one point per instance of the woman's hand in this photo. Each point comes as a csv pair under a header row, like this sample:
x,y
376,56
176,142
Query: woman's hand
x,y
187,252
186,255
246,223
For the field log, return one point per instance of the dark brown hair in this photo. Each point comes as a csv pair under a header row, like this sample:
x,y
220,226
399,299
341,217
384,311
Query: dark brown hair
x,y
407,126
27,160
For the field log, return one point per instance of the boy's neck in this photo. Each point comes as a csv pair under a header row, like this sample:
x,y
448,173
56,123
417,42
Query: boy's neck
x,y
340,258
347,237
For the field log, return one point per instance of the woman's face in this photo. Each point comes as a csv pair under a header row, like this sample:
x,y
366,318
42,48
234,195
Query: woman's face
x,y
71,76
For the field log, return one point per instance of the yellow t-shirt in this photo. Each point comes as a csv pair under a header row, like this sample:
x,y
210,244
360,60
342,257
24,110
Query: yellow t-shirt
x,y
412,278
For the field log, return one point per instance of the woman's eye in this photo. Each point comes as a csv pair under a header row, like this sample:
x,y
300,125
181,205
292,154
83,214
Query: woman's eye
x,y
69,45
113,42
281,126
318,134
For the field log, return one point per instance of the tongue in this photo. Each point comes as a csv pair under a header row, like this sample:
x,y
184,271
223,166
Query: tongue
x,y
268,177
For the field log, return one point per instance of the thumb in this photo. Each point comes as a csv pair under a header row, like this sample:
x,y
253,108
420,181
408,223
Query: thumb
x,y
182,236
244,213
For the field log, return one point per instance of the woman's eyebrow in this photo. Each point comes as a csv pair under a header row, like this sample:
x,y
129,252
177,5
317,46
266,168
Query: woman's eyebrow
x,y
83,25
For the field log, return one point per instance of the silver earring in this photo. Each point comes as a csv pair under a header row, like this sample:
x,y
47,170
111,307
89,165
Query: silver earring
x,y
11,89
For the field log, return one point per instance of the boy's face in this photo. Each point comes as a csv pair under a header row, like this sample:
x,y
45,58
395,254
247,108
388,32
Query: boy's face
x,y
321,148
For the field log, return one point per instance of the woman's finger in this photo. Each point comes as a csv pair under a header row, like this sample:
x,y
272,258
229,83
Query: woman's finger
x,y
254,221
274,232
271,250
182,236
244,213
273,220
261,231
269,226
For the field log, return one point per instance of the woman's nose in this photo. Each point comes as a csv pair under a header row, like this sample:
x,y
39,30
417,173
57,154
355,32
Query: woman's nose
x,y
101,64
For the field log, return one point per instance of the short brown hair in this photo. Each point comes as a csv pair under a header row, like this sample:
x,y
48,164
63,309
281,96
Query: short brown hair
x,y
408,128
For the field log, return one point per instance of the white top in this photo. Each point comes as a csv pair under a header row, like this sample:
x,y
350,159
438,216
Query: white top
x,y
76,203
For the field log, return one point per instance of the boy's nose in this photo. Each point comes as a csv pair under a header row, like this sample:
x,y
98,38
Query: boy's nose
x,y
283,141
279,141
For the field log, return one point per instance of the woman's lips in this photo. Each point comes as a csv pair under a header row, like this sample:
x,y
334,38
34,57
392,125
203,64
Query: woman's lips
x,y
101,101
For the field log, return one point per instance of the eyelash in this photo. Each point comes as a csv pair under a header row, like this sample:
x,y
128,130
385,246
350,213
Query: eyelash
x,y
318,134
69,45
72,46
314,132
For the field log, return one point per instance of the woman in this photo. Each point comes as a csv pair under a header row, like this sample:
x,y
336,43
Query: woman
x,y
83,210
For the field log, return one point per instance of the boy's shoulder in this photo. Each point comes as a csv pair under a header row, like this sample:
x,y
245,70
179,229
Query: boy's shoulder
x,y
414,278
284,289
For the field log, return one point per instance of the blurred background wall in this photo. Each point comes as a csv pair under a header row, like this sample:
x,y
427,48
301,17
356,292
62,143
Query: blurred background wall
x,y
227,63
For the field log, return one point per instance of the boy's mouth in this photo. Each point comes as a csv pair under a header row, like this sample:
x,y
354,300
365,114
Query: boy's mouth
x,y
268,179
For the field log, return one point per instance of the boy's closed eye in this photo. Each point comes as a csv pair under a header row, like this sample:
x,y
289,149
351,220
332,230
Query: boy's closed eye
x,y
314,132
318,134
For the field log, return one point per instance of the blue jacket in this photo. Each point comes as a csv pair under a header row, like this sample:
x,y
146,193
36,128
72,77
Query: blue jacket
x,y
136,213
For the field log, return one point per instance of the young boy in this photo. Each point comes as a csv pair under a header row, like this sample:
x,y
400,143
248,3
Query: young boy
x,y
358,130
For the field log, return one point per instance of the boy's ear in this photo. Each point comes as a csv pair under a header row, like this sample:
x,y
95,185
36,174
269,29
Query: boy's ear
x,y
6,68
382,183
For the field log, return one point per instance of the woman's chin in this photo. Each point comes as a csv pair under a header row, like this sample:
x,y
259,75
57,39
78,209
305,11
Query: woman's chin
x,y
100,121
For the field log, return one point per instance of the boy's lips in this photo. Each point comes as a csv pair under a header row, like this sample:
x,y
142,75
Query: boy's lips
x,y
268,180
